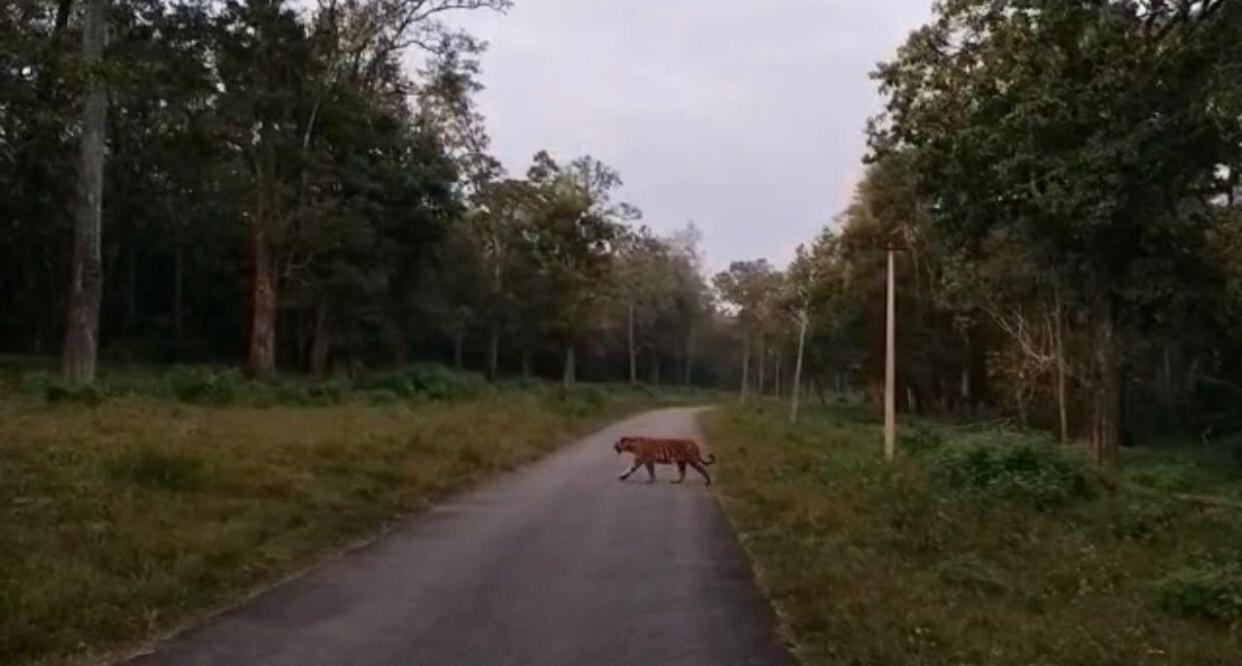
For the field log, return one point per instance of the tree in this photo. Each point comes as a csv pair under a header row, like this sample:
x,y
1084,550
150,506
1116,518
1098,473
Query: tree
x,y
571,238
749,287
987,101
86,288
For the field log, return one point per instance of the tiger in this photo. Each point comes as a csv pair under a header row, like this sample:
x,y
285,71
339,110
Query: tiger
x,y
651,451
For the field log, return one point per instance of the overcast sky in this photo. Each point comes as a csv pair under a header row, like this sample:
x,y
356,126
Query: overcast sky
x,y
745,116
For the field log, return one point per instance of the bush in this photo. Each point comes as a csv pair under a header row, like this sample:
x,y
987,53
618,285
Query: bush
x,y
328,392
156,470
1023,466
582,400
379,397
1213,593
922,439
397,384
1166,476
431,380
439,383
204,386
291,394
81,395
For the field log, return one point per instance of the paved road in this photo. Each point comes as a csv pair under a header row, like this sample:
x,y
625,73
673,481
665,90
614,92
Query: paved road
x,y
558,563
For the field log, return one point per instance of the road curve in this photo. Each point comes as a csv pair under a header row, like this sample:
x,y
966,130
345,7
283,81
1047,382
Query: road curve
x,y
557,563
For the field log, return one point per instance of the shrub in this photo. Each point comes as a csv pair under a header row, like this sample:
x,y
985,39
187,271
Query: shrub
x,y
395,383
291,394
328,392
82,395
204,386
1145,519
1167,476
922,439
1023,466
381,397
157,470
1211,593
582,400
439,383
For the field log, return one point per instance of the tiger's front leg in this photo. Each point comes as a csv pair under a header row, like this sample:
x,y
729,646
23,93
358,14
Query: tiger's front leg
x,y
650,472
633,468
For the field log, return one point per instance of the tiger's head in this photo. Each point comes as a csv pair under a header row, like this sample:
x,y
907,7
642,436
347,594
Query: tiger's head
x,y
624,444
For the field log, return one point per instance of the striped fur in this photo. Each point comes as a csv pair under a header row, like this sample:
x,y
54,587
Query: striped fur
x,y
651,451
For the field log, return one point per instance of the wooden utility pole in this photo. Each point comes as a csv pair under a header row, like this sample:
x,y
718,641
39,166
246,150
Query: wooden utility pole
x,y
890,364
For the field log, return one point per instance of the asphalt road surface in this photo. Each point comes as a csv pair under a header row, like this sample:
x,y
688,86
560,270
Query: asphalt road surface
x,y
557,563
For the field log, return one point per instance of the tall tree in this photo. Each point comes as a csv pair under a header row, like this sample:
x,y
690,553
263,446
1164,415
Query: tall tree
x,y
86,288
989,99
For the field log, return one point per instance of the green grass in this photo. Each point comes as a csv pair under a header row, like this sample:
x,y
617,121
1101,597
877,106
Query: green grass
x,y
128,515
960,554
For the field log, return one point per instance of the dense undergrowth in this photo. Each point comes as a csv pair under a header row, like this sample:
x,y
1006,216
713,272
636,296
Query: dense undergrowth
x,y
161,494
983,546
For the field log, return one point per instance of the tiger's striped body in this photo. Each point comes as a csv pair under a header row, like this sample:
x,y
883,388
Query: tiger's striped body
x,y
651,451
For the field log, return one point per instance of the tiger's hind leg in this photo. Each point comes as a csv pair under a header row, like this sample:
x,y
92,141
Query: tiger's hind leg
x,y
698,467
650,472
681,469
633,468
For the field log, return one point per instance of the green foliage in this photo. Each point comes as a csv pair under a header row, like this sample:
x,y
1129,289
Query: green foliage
x,y
1167,476
206,386
329,392
379,396
877,562
431,381
158,470
1208,593
581,400
57,393
921,438
1024,466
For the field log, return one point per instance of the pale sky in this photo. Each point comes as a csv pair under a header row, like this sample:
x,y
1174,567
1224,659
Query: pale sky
x,y
746,116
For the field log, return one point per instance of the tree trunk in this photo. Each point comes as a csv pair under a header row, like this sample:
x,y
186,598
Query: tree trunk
x,y
1106,417
131,293
567,378
632,350
493,352
1059,341
321,348
179,295
776,383
396,344
689,359
745,367
262,360
795,389
525,363
655,369
459,346
763,354
86,289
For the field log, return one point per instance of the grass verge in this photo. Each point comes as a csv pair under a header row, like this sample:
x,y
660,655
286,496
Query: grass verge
x,y
970,552
124,517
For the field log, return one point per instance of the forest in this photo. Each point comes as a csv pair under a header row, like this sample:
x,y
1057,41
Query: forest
x,y
267,291
308,189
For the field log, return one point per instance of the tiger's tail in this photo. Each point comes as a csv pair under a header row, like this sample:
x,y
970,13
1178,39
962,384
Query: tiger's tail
x,y
711,458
